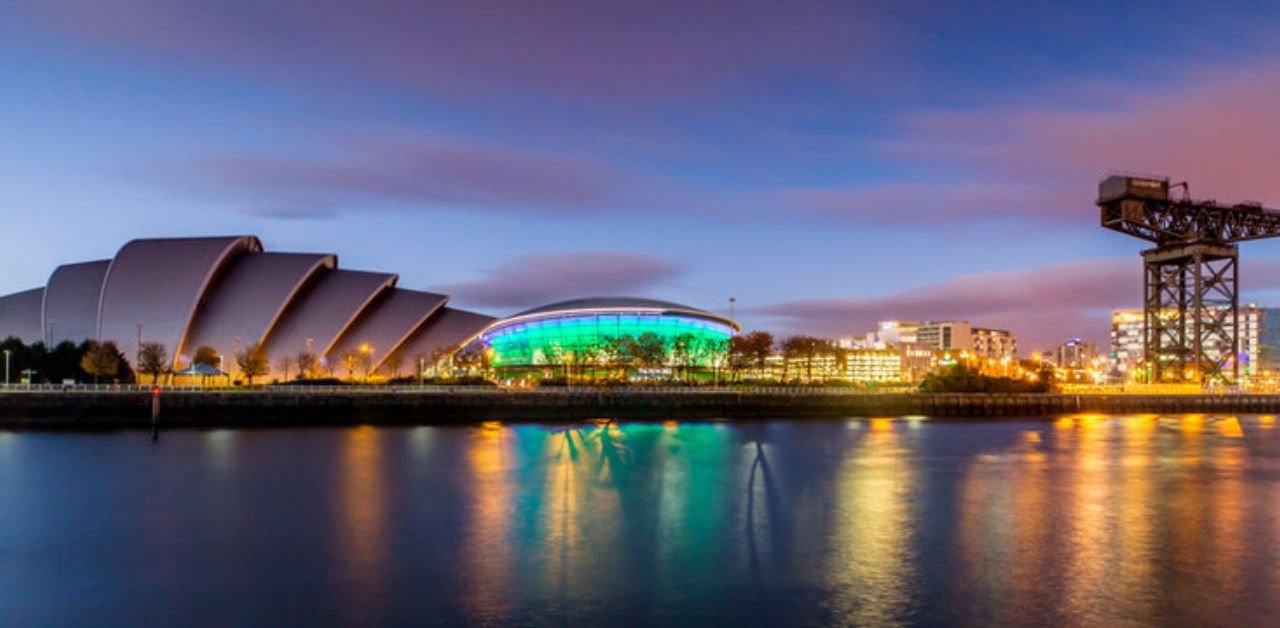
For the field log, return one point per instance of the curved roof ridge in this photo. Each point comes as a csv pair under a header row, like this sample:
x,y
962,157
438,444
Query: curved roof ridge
x,y
611,302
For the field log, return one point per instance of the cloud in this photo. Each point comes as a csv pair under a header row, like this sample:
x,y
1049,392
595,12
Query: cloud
x,y
1042,305
532,280
1217,129
426,172
614,52
917,203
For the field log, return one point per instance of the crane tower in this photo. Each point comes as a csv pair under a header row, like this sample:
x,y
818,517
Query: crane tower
x,y
1191,279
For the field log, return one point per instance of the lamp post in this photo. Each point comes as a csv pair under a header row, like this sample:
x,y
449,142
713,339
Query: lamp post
x,y
6,367
422,381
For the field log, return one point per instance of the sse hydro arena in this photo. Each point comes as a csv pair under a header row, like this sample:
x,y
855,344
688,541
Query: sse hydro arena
x,y
227,293
579,333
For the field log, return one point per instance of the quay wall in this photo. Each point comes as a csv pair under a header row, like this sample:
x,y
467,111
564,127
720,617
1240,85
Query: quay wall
x,y
132,408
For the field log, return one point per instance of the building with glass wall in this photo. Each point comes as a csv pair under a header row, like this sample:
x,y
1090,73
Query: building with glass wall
x,y
638,338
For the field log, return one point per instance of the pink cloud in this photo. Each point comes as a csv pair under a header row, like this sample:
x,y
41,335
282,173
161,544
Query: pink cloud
x,y
426,172
532,280
1217,129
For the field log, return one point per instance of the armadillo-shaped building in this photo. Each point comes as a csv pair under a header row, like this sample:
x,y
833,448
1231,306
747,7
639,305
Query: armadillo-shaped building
x,y
228,293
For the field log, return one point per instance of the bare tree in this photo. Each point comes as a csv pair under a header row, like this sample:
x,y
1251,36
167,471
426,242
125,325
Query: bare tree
x,y
153,360
306,362
350,362
253,362
285,365
650,350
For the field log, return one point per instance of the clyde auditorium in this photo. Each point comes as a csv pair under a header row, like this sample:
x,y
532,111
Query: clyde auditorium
x,y
228,293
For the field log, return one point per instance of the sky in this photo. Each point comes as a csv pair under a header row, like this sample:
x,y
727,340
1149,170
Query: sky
x,y
827,164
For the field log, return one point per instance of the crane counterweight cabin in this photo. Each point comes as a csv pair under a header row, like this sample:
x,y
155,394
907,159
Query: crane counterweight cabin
x,y
1191,278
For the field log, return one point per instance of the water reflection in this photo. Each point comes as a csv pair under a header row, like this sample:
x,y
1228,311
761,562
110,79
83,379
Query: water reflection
x,y
1083,520
363,526
486,553
870,562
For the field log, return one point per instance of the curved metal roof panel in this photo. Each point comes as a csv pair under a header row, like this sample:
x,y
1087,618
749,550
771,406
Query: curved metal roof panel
x,y
71,301
590,303
324,310
617,303
444,332
244,305
20,315
388,322
159,284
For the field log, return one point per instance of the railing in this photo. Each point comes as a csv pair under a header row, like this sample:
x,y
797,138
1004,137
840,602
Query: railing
x,y
446,389
441,389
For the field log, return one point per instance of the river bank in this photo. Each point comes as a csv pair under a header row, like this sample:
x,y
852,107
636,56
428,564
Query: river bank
x,y
132,408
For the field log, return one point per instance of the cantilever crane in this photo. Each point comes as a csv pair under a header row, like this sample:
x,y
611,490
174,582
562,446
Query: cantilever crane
x,y
1191,278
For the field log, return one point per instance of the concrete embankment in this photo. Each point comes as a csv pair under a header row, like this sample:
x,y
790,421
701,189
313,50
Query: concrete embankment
x,y
80,409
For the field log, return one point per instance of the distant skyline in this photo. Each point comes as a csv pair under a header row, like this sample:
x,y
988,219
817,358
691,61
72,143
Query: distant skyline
x,y
827,164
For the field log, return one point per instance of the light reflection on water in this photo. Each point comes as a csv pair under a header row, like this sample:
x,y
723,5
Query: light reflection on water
x,y
1083,520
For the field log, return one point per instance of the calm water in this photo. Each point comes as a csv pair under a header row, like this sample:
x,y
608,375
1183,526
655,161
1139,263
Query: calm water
x,y
1084,521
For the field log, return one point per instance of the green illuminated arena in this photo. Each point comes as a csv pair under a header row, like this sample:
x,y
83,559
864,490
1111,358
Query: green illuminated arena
x,y
627,333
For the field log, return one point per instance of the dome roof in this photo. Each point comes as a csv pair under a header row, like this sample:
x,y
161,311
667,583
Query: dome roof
x,y
620,303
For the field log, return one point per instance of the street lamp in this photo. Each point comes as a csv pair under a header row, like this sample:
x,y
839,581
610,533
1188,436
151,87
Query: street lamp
x,y
6,367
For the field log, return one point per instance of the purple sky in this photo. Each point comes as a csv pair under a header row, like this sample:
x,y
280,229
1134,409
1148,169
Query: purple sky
x,y
829,164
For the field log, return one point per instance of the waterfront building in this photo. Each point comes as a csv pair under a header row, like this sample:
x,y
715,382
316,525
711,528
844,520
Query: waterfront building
x,y
916,360
1127,347
1268,356
858,366
945,335
994,344
1253,323
227,294
896,332
595,335
1075,354
1126,341
874,365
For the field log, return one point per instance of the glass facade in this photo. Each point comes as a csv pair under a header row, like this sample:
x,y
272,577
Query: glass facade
x,y
578,337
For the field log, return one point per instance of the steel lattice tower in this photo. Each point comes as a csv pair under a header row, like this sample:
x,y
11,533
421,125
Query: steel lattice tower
x,y
1191,278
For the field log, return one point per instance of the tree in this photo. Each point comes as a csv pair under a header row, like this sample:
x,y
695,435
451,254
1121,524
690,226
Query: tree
x,y
740,357
207,356
153,360
650,350
792,349
618,352
472,357
366,361
393,365
350,360
306,362
101,360
684,350
284,365
253,362
752,350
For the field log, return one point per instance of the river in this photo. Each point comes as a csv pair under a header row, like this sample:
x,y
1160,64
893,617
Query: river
x,y
1083,520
